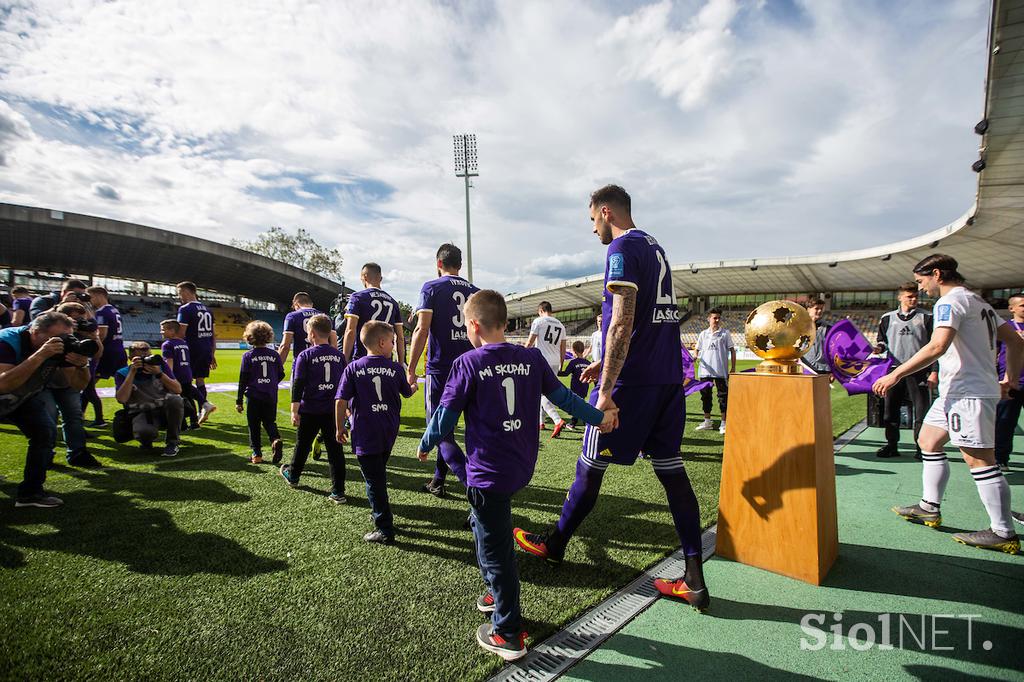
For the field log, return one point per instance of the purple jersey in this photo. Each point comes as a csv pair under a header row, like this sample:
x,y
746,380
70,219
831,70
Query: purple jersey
x,y
176,350
636,260
444,298
295,322
498,387
373,386
371,304
315,377
573,369
1001,358
113,357
261,372
199,334
23,303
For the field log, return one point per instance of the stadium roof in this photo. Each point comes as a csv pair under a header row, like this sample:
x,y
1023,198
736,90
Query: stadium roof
x,y
988,240
45,239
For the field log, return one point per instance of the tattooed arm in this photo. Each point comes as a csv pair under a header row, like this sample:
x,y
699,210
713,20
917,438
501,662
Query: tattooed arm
x,y
620,328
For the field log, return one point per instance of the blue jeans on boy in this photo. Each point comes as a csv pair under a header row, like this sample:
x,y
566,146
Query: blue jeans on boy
x,y
34,420
495,554
375,473
69,402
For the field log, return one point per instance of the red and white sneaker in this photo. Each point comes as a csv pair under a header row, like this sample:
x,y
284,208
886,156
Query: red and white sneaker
x,y
558,428
509,650
698,599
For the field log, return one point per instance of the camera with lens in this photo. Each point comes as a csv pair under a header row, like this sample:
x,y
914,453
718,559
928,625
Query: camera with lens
x,y
86,326
84,347
152,360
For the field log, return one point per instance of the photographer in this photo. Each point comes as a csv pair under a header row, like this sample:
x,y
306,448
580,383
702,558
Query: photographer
x,y
152,397
72,291
61,397
29,357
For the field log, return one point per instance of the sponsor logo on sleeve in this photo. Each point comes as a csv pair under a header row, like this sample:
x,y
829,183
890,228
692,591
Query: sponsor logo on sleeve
x,y
616,266
944,312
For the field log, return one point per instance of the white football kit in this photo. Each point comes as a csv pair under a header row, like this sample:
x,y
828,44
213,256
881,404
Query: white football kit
x,y
550,333
968,385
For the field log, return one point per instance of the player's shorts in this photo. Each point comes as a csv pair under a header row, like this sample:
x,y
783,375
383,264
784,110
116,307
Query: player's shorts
x,y
651,420
433,388
970,422
200,366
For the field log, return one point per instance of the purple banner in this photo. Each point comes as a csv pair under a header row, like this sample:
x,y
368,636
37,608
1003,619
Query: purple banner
x,y
690,384
847,353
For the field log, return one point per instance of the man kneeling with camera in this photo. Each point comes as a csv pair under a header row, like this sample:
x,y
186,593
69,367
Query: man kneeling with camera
x,y
152,397
30,356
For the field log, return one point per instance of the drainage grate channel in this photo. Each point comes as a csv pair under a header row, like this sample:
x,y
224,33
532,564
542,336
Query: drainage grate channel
x,y
559,652
562,650
849,435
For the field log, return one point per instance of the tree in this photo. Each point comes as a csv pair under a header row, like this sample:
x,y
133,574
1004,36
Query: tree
x,y
299,249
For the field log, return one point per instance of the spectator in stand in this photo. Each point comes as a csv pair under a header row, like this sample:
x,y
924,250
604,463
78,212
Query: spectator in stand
x,y
30,356
151,394
22,302
73,290
1008,410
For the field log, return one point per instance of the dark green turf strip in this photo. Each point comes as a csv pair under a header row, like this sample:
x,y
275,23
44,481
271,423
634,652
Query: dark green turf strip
x,y
886,566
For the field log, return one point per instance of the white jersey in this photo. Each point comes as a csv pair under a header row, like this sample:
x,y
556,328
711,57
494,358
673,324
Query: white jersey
x,y
595,346
713,353
968,367
550,334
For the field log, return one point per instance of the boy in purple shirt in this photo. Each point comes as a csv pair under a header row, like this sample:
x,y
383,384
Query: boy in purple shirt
x,y
373,387
176,355
439,317
315,377
574,369
196,322
20,306
258,377
498,386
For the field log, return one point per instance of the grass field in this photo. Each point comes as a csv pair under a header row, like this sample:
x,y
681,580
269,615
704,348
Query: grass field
x,y
207,566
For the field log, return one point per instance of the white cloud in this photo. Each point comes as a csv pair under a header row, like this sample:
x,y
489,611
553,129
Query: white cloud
x,y
740,128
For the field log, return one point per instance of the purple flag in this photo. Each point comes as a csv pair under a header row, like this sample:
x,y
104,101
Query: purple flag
x,y
847,353
690,385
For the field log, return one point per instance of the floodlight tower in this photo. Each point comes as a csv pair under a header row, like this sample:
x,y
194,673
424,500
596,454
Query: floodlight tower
x,y
466,168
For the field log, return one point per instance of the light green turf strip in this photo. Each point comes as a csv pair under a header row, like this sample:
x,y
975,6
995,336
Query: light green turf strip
x,y
886,566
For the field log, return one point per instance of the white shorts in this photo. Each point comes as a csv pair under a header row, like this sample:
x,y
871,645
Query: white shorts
x,y
969,422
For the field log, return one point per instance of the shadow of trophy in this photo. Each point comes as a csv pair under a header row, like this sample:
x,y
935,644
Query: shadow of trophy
x,y
777,502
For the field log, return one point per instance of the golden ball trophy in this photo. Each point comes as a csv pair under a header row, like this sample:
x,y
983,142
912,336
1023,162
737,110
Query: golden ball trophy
x,y
777,502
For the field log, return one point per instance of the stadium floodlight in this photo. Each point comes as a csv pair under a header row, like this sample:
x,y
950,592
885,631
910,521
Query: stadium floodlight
x,y
466,168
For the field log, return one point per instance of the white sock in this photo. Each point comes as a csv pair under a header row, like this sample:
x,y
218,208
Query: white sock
x,y
548,407
934,477
994,492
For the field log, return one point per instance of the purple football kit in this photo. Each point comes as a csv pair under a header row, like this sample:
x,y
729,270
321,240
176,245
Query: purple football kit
x,y
374,387
371,304
114,356
444,297
315,378
199,337
177,351
263,371
573,369
1001,358
295,322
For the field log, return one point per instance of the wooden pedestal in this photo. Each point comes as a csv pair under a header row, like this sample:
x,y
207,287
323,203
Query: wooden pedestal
x,y
777,503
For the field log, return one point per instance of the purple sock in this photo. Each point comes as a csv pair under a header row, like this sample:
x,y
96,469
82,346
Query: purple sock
x,y
580,500
201,389
684,507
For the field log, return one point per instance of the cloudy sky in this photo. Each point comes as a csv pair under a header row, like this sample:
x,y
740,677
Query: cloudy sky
x,y
741,128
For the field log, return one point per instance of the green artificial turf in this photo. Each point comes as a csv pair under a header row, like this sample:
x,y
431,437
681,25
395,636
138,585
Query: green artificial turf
x,y
207,566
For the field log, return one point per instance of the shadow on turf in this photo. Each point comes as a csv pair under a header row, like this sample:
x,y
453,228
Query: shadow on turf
x,y
143,538
672,662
